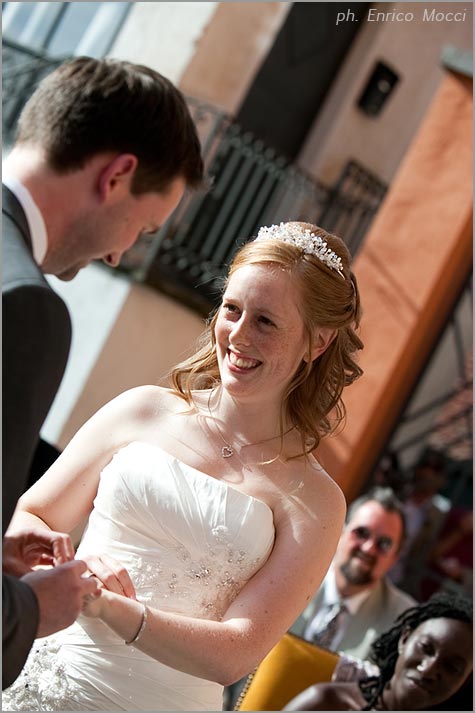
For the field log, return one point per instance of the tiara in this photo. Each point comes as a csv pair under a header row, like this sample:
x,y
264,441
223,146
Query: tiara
x,y
304,239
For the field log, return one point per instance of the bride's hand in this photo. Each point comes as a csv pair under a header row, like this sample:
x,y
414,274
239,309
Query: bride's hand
x,y
111,574
92,604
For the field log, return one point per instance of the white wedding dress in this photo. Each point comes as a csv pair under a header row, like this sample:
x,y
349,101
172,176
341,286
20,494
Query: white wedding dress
x,y
190,542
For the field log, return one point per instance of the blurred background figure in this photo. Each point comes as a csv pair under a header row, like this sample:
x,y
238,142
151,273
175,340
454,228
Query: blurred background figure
x,y
424,660
450,563
356,601
425,510
388,473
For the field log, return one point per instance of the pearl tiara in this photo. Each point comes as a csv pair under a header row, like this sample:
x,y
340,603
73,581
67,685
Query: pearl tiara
x,y
304,239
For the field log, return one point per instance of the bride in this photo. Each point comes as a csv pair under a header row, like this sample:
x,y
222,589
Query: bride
x,y
211,524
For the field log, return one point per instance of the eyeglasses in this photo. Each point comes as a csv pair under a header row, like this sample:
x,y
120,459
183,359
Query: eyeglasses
x,y
383,544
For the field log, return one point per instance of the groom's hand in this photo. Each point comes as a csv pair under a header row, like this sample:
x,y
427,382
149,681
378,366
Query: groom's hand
x,y
24,549
61,592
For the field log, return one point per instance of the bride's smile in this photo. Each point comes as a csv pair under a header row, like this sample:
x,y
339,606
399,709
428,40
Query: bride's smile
x,y
260,334
204,500
241,362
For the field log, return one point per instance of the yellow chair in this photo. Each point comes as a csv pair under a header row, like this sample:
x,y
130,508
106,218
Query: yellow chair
x,y
291,666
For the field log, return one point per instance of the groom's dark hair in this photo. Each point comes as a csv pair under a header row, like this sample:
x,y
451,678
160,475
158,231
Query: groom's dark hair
x,y
89,106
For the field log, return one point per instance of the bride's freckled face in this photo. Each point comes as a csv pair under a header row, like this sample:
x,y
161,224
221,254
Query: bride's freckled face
x,y
260,335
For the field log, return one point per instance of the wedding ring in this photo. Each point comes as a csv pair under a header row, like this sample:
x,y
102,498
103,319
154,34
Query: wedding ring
x,y
91,597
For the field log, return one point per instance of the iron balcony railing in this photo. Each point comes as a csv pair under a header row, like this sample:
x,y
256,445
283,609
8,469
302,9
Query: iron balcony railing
x,y
252,186
22,70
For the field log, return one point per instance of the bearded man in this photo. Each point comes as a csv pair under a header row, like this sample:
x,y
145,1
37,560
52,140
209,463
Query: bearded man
x,y
356,602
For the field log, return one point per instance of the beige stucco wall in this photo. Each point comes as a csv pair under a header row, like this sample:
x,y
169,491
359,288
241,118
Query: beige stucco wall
x,y
412,49
151,334
225,44
231,50
416,258
163,35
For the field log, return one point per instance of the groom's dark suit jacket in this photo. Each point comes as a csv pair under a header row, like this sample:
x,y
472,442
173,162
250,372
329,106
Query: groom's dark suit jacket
x,y
36,340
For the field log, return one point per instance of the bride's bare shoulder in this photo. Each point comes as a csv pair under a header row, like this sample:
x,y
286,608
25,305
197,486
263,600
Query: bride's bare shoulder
x,y
315,503
149,401
320,484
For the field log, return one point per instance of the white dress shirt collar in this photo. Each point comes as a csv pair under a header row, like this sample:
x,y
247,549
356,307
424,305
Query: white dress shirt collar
x,y
36,223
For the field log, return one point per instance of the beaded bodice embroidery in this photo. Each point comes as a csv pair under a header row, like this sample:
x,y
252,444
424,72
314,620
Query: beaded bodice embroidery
x,y
189,542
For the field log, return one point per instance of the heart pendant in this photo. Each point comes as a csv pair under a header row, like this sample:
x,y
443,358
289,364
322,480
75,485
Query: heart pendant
x,y
227,451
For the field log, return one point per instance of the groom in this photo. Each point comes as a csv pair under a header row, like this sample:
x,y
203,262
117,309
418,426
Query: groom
x,y
104,151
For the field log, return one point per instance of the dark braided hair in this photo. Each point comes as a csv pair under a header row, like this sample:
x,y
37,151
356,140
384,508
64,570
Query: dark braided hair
x,y
384,650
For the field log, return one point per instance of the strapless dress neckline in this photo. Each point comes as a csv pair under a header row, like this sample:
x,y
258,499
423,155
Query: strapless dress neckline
x,y
199,472
190,542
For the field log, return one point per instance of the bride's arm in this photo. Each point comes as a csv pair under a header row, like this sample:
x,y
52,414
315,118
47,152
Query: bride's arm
x,y
266,607
63,498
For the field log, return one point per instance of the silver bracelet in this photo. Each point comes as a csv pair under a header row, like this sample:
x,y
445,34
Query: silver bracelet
x,y
141,627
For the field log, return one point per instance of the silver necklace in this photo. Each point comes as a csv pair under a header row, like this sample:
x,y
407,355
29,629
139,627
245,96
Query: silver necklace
x,y
227,450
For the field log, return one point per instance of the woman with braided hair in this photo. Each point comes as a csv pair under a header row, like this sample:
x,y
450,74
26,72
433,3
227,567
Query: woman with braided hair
x,y
423,660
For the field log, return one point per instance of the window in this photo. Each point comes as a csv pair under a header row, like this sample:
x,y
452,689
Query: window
x,y
64,28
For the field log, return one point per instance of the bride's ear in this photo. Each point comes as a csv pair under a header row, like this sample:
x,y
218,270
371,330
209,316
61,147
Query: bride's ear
x,y
324,336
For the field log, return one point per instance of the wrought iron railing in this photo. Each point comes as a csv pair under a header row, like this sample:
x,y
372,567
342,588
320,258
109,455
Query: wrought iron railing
x,y
352,204
252,186
22,70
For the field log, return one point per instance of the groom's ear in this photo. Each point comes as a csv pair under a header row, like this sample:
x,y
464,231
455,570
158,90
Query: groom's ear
x,y
322,339
115,177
